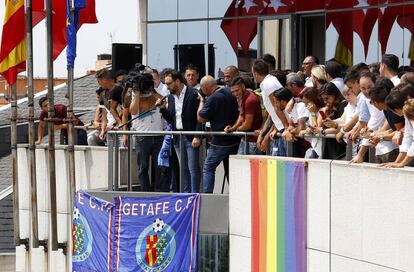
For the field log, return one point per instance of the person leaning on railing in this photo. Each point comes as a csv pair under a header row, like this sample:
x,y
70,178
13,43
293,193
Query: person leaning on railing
x,y
60,122
313,103
221,109
296,118
406,156
250,116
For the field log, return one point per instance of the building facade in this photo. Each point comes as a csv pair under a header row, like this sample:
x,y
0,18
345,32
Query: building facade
x,y
236,32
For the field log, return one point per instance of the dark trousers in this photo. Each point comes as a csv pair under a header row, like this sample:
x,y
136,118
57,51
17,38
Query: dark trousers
x,y
146,148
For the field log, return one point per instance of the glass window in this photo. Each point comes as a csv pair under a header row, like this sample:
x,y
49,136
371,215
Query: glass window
x,y
217,8
162,38
311,38
224,54
277,41
192,40
190,9
162,10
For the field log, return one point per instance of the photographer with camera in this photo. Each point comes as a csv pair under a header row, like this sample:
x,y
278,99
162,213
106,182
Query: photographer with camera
x,y
146,117
181,112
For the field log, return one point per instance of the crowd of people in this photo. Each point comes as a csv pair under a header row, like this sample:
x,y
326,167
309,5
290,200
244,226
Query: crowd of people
x,y
318,111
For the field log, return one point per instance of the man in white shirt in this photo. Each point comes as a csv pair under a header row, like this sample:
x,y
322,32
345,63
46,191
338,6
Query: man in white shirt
x,y
268,85
334,74
297,118
389,68
159,87
402,105
181,112
308,63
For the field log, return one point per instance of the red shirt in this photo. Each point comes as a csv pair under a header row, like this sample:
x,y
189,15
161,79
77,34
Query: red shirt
x,y
61,113
251,105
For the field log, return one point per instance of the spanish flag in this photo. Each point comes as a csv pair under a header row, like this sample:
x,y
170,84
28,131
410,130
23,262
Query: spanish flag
x,y
13,42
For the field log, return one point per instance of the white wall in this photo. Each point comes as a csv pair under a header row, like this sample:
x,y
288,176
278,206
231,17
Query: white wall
x,y
91,165
360,217
91,173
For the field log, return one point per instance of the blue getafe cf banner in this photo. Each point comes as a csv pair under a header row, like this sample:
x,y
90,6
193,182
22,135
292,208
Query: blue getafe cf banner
x,y
136,234
91,233
156,234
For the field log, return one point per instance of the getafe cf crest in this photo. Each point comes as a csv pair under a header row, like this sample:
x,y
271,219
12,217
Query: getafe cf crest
x,y
82,237
156,246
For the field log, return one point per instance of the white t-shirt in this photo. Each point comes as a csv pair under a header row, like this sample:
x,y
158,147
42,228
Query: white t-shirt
x,y
316,143
407,144
162,89
308,82
268,86
350,111
339,83
376,121
109,117
395,80
299,111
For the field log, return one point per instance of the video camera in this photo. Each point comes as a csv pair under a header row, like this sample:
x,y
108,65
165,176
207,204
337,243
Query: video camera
x,y
138,79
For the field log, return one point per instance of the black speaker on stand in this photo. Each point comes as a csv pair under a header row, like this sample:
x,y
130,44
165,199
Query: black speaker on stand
x,y
126,55
185,54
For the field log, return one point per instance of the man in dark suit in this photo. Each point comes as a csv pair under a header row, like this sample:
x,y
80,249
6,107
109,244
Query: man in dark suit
x,y
181,112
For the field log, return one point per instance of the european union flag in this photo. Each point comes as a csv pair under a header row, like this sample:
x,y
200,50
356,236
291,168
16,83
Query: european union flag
x,y
72,28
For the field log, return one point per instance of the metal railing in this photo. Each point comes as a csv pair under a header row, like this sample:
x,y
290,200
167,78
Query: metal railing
x,y
114,147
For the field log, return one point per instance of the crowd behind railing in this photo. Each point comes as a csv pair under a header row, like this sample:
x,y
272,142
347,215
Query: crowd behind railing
x,y
323,111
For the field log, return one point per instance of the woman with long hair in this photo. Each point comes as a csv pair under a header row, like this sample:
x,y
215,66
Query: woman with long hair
x,y
314,103
334,108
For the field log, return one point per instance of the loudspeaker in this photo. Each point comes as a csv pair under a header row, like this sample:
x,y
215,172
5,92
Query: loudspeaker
x,y
185,54
125,55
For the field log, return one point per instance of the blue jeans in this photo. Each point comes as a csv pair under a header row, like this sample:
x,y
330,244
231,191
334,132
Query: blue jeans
x,y
253,150
278,147
191,166
145,148
215,155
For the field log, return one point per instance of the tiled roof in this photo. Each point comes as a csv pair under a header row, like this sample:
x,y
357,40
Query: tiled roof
x,y
5,173
6,225
84,98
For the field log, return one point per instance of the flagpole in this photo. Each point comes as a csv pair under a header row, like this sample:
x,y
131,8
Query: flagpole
x,y
13,146
32,147
51,126
71,146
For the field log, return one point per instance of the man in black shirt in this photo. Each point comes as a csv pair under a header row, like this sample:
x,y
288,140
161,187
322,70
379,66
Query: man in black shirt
x,y
221,109
106,80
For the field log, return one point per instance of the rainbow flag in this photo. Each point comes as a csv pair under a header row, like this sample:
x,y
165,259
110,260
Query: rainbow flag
x,y
278,216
